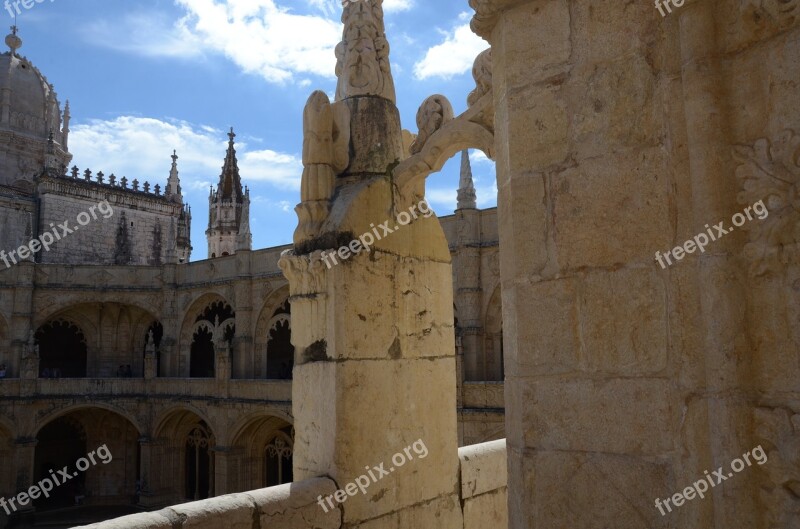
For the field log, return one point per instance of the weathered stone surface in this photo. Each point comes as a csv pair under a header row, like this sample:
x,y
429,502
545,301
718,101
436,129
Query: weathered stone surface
x,y
484,468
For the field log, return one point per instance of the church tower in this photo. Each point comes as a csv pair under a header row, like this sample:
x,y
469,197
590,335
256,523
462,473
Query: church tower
x,y
229,210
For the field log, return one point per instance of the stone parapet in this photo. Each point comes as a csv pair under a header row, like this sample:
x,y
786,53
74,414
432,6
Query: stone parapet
x,y
289,506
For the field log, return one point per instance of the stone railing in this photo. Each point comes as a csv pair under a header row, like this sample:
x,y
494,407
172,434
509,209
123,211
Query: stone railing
x,y
484,485
484,497
290,506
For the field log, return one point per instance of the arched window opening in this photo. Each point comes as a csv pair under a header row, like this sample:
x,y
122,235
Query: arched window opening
x,y
280,351
154,333
214,328
278,455
199,463
62,350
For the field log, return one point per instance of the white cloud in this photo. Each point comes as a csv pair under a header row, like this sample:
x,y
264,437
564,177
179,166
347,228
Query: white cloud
x,y
454,56
260,36
397,5
331,7
141,147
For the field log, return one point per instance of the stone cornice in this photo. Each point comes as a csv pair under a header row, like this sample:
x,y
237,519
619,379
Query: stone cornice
x,y
66,186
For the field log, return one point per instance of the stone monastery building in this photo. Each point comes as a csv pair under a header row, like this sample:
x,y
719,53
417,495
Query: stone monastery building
x,y
631,394
205,408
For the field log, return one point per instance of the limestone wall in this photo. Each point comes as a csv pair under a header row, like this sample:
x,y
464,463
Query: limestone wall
x,y
17,222
147,236
290,506
621,133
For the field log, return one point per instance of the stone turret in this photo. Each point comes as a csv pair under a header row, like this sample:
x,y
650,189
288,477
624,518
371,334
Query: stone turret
x,y
229,210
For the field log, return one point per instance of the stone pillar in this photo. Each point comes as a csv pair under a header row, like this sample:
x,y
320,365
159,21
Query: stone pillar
x,y
146,466
225,471
373,332
584,194
25,450
375,368
222,354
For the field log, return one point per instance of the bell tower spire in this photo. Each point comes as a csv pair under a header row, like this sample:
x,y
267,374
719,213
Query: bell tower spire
x,y
229,209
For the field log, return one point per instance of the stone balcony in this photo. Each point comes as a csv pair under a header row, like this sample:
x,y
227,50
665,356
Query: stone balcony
x,y
275,391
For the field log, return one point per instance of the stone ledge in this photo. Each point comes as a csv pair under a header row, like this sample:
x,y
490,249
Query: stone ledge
x,y
293,505
483,468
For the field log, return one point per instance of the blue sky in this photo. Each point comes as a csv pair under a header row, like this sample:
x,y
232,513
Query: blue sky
x,y
146,77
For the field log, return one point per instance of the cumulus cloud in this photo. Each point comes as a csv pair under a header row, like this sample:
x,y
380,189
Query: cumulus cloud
x,y
140,148
259,36
453,56
334,7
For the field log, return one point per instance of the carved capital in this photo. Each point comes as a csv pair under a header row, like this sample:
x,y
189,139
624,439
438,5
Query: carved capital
x,y
306,273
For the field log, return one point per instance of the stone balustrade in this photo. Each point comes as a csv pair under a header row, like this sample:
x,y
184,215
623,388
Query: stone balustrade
x,y
484,496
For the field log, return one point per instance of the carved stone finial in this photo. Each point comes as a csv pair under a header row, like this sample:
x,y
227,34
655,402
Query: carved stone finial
x,y
362,57
135,184
75,171
482,73
87,175
431,116
100,176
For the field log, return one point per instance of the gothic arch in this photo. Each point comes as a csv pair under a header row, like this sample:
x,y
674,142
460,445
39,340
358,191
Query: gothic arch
x,y
263,449
492,364
111,327
63,349
184,452
108,443
72,408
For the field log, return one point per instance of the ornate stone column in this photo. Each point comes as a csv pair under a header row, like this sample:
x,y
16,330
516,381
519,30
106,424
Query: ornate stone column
x,y
373,331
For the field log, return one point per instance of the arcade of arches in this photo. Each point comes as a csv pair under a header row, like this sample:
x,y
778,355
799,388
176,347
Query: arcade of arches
x,y
182,457
189,371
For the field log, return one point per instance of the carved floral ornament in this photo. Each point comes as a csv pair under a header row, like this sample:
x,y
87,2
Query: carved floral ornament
x,y
441,135
770,171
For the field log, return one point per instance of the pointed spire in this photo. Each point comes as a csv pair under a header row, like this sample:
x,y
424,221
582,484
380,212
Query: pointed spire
x,y
65,128
173,190
230,183
362,57
466,187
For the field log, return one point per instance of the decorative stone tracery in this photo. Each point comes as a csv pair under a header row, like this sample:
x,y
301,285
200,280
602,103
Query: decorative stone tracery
x,y
770,171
